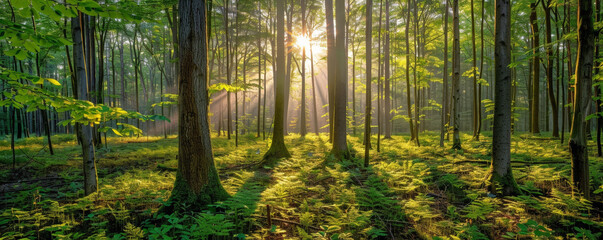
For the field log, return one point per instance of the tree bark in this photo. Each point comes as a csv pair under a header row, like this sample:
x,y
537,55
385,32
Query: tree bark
x,y
302,126
277,148
501,176
443,124
387,101
197,183
81,72
410,110
369,61
340,144
456,91
331,66
582,97
535,69
549,69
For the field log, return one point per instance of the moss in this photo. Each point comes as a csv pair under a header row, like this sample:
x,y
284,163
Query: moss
x,y
184,199
502,185
277,151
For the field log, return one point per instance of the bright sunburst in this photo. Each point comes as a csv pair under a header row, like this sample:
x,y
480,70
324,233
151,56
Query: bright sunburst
x,y
302,42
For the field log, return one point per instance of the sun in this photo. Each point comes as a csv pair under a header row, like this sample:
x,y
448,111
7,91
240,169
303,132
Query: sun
x,y
302,42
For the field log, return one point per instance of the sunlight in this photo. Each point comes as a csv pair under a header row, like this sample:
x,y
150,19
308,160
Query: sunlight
x,y
302,42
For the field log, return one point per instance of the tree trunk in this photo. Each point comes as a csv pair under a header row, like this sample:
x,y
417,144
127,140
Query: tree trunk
x,y
302,126
456,91
501,176
369,61
443,124
535,69
86,134
331,65
340,144
197,183
277,148
549,69
410,120
387,102
476,101
582,96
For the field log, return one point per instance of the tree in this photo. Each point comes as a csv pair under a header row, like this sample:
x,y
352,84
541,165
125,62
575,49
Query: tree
x,y
197,183
367,112
277,148
340,145
500,175
228,64
302,126
443,124
476,100
535,68
410,120
387,100
331,67
549,68
79,33
582,97
456,65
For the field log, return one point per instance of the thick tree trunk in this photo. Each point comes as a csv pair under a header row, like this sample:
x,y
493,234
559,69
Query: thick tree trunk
x,y
582,97
197,183
277,148
86,134
501,176
340,144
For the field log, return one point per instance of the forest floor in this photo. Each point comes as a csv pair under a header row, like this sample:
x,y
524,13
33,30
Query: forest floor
x,y
408,192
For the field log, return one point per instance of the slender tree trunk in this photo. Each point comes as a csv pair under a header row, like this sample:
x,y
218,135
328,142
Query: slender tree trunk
x,y
81,72
535,69
549,70
259,69
415,76
228,80
410,110
456,91
387,101
379,86
331,66
368,47
316,127
476,110
582,96
444,124
44,113
302,126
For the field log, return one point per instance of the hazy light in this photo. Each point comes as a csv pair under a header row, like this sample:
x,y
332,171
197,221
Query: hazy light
x,y
302,42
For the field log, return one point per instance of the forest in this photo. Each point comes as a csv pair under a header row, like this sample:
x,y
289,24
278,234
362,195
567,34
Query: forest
x,y
301,119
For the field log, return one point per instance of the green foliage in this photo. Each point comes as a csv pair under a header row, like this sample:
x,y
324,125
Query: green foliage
x,y
479,209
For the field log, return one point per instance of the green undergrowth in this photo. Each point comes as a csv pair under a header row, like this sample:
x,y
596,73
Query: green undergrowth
x,y
408,192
